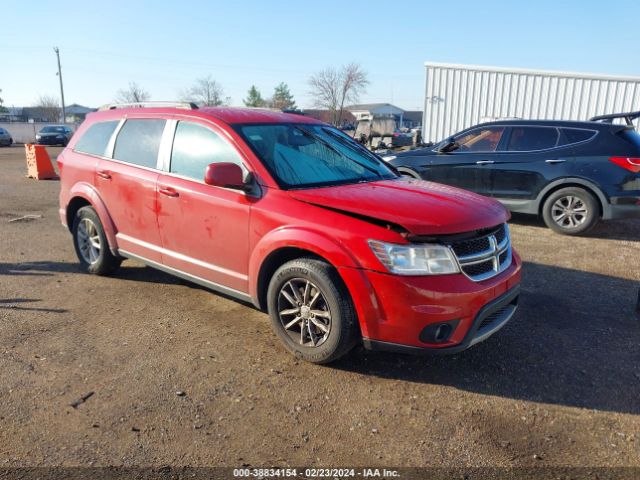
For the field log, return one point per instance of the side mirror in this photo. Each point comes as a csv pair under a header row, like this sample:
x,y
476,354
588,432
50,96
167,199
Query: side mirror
x,y
449,146
226,175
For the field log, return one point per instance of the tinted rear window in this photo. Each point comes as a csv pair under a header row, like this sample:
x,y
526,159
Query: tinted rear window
x,y
96,138
574,135
525,139
138,142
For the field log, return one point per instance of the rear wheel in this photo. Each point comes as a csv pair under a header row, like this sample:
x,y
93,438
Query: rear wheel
x,y
571,211
91,244
311,311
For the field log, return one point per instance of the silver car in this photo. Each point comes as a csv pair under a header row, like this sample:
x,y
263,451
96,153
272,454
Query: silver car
x,y
5,138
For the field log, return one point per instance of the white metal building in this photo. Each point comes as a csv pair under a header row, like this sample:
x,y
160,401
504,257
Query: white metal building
x,y
459,96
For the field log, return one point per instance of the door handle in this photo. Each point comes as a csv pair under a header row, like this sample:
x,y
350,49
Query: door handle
x,y
484,162
104,174
555,160
169,192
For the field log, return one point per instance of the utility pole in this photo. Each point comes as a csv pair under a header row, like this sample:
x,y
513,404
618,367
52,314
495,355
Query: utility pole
x,y
64,116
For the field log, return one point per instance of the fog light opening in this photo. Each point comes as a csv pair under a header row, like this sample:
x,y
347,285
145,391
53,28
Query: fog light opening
x,y
442,332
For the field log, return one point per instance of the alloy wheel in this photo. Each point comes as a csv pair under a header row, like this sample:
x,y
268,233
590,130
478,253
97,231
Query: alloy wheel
x,y
304,312
569,211
89,241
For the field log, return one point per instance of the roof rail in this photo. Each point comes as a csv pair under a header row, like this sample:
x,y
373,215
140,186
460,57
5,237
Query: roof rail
x,y
184,105
629,117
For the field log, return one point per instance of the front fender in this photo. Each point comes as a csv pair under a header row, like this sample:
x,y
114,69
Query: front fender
x,y
88,192
303,238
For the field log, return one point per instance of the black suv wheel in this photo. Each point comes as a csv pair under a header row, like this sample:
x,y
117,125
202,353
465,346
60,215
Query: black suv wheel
x,y
311,310
571,211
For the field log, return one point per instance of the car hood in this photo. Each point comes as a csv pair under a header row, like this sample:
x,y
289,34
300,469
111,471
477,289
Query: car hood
x,y
420,207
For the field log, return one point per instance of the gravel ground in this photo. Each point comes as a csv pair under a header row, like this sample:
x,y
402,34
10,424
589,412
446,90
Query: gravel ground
x,y
182,376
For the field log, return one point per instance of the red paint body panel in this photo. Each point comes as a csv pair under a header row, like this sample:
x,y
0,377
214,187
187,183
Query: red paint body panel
x,y
423,208
224,236
130,197
395,309
210,225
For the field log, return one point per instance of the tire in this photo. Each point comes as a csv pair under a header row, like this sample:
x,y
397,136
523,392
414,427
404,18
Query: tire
x,y
571,211
319,288
95,256
407,172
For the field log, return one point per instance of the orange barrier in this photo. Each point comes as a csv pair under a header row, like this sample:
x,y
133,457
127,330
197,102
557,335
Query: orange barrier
x,y
39,164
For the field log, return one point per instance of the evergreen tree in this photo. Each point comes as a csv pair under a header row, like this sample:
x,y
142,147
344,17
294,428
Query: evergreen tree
x,y
254,99
2,107
282,98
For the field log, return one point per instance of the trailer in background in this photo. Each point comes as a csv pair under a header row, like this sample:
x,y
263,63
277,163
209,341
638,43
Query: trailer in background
x,y
460,96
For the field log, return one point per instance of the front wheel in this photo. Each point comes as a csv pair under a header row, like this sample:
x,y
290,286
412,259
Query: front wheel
x,y
91,244
571,211
407,172
311,311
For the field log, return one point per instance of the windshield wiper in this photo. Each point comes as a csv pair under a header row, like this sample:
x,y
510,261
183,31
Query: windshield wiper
x,y
335,150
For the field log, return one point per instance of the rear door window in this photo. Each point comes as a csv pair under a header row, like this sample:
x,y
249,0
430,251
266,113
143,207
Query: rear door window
x,y
527,139
195,147
95,140
138,142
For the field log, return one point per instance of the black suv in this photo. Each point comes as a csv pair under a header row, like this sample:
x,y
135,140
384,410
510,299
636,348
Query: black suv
x,y
571,173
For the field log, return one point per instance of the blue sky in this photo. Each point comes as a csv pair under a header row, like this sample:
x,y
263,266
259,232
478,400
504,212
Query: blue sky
x,y
164,46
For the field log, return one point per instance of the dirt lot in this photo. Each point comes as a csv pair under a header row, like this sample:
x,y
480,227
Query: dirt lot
x,y
560,385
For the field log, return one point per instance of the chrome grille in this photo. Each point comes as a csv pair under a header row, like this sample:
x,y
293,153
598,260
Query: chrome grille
x,y
484,256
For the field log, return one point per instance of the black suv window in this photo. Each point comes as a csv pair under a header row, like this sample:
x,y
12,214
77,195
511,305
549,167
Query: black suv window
x,y
195,147
96,138
480,140
575,135
524,139
138,142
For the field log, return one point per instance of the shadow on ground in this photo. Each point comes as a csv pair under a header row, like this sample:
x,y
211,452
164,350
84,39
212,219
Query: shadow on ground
x,y
628,229
575,341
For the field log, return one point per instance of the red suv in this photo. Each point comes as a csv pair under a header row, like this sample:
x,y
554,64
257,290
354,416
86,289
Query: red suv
x,y
294,216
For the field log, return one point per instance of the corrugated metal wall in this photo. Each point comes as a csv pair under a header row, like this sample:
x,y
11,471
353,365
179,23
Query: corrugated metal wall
x,y
459,96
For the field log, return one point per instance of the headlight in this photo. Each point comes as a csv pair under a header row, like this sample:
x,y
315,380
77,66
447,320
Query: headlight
x,y
424,259
388,158
38,137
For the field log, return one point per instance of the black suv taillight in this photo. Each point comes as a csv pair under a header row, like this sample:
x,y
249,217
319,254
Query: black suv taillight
x,y
628,163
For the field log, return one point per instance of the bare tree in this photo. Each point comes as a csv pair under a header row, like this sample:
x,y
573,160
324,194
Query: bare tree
x,y
47,108
332,88
206,92
132,94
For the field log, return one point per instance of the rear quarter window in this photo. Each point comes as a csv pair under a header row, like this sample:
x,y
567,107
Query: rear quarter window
x,y
575,135
138,142
95,140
